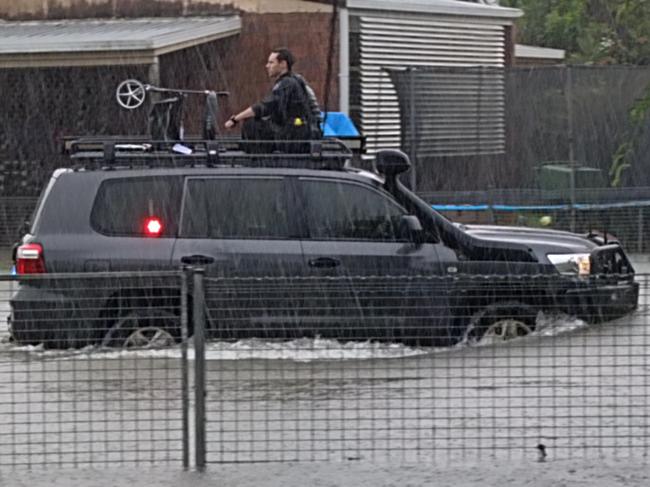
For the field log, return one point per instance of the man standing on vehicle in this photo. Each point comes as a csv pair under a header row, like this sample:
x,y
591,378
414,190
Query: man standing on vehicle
x,y
289,112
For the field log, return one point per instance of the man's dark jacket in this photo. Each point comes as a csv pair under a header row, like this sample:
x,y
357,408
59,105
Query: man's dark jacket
x,y
292,111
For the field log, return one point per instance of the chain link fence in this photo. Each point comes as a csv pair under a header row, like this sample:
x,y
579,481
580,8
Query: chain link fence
x,y
397,397
472,128
68,401
340,369
621,213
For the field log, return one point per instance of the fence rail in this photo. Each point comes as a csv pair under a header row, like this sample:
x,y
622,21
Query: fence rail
x,y
359,379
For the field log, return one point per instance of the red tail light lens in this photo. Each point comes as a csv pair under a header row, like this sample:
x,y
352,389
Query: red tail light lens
x,y
29,259
153,227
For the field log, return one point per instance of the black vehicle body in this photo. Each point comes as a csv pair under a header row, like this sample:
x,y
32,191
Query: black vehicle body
x,y
403,272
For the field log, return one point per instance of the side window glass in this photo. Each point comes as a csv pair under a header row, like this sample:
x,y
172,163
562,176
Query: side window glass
x,y
244,208
122,207
337,210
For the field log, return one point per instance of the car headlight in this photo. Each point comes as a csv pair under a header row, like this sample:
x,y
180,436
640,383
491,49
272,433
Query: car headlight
x,y
579,264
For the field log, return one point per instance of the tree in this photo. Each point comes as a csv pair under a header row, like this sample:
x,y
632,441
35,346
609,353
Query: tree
x,y
595,32
591,31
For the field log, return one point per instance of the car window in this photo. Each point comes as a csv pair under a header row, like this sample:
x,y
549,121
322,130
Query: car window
x,y
235,208
123,207
340,210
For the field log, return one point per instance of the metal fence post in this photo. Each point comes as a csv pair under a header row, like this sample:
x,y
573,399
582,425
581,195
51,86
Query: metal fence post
x,y
572,162
639,226
185,372
413,127
490,202
198,310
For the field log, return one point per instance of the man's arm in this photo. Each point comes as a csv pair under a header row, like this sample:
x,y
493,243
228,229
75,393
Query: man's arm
x,y
274,105
240,117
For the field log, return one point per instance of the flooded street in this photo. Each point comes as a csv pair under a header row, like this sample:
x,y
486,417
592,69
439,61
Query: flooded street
x,y
598,473
319,412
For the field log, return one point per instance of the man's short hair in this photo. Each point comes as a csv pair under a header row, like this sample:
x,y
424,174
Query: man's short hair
x,y
284,54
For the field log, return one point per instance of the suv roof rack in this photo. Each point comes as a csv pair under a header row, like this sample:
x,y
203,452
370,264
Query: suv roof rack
x,y
113,151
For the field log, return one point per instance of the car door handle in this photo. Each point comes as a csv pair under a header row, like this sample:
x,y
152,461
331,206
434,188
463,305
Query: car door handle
x,y
197,259
324,262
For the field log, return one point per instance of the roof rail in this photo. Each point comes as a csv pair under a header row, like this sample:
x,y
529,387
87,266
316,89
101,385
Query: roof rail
x,y
328,153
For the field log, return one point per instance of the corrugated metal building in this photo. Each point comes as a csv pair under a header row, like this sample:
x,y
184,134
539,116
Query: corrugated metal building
x,y
387,34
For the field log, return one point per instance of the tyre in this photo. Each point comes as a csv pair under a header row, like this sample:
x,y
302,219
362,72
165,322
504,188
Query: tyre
x,y
147,328
502,322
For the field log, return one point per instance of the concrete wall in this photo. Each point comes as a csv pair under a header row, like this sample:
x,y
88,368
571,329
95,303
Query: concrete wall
x,y
58,9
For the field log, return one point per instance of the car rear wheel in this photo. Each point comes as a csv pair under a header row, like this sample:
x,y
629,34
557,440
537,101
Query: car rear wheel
x,y
143,329
502,323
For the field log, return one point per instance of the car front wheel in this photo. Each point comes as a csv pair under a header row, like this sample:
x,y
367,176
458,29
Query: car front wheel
x,y
502,322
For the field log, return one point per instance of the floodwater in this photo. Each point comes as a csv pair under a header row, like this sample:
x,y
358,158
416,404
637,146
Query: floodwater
x,y
321,413
596,473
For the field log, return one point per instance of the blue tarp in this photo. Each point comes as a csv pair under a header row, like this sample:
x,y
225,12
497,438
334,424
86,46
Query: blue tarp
x,y
338,124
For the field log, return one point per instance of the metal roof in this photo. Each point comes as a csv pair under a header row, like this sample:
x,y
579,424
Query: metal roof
x,y
537,52
450,7
106,41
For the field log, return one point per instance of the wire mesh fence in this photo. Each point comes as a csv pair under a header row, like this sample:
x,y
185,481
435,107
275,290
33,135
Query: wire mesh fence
x,y
14,212
378,368
70,395
620,213
523,127
367,379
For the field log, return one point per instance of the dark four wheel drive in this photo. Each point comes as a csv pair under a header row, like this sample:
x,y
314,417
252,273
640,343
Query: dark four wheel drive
x,y
379,261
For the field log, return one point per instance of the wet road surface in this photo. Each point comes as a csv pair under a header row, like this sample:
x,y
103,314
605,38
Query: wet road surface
x,y
357,414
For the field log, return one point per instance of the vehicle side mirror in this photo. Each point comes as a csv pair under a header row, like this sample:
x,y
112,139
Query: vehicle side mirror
x,y
411,228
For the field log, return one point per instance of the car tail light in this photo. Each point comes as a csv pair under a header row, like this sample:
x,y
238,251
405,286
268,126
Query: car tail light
x,y
153,227
29,259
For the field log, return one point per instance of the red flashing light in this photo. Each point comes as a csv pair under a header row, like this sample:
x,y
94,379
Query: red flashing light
x,y
153,227
29,259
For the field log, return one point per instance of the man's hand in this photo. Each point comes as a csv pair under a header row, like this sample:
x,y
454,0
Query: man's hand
x,y
232,121
240,117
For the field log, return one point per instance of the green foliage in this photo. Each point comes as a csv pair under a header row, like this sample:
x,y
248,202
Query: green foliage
x,y
619,163
637,117
591,31
640,109
594,32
